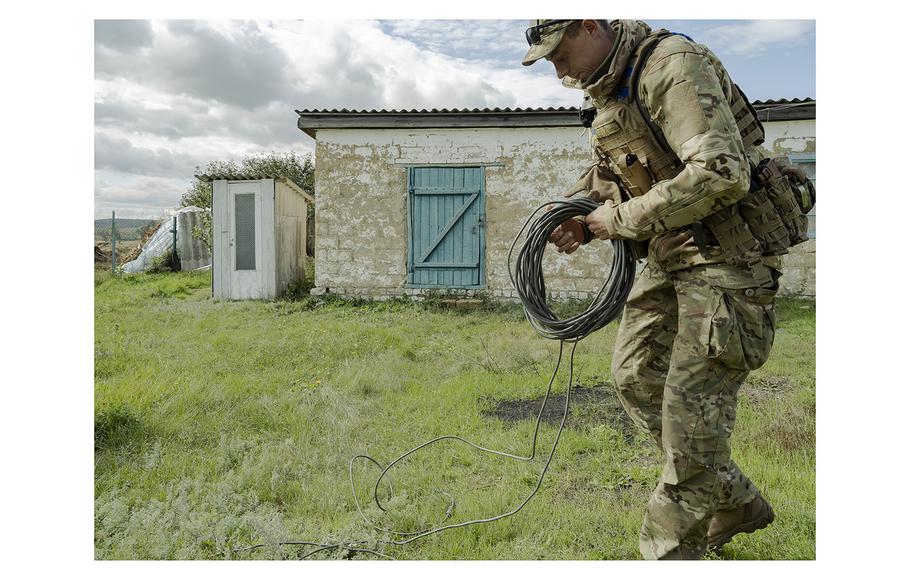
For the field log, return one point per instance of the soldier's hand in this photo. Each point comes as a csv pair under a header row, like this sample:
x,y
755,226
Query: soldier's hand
x,y
568,236
597,220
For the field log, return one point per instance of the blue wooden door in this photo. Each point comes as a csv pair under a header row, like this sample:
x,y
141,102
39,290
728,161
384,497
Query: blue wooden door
x,y
446,215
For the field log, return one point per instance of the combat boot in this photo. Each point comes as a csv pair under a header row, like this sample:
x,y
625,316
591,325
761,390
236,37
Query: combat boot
x,y
754,515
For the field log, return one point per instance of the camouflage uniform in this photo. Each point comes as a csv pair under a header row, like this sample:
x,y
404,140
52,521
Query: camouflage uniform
x,y
686,343
693,326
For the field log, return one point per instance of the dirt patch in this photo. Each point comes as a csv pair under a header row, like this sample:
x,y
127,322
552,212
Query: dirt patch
x,y
587,406
126,251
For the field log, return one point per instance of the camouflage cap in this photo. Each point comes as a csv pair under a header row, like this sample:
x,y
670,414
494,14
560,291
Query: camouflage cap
x,y
550,36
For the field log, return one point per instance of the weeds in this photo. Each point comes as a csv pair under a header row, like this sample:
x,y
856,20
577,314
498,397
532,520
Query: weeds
x,y
167,261
116,425
222,425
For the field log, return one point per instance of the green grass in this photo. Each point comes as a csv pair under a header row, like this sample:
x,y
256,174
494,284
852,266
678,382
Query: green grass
x,y
220,425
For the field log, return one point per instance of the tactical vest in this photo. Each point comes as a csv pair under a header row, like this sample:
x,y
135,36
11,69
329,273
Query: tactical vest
x,y
767,221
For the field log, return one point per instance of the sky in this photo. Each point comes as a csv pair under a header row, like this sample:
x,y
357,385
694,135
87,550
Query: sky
x,y
170,95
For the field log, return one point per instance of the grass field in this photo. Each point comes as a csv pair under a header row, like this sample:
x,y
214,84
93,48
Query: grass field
x,y
221,425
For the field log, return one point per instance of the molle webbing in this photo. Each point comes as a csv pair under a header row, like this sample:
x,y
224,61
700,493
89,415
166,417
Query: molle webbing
x,y
635,151
764,221
781,195
734,236
658,164
750,128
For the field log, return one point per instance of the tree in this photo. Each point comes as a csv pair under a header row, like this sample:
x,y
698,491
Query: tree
x,y
271,165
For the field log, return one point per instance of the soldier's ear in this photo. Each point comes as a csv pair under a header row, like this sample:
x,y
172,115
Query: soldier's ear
x,y
589,26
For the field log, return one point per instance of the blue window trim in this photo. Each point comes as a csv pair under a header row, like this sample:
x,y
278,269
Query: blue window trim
x,y
805,158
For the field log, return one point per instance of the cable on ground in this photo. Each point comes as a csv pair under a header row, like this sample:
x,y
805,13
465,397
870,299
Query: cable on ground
x,y
527,278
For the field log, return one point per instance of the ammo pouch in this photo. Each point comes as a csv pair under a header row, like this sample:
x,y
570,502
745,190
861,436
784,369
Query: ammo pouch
x,y
737,243
791,193
764,221
767,221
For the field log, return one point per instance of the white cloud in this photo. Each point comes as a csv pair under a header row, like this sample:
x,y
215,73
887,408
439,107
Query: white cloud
x,y
136,196
755,37
354,64
186,93
173,95
478,40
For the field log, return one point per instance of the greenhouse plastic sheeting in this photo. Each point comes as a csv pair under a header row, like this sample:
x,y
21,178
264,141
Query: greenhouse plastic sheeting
x,y
193,253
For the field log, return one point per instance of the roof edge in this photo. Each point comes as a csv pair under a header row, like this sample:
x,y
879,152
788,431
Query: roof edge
x,y
282,179
312,120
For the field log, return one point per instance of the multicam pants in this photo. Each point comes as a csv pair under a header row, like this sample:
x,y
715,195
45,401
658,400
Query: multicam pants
x,y
686,343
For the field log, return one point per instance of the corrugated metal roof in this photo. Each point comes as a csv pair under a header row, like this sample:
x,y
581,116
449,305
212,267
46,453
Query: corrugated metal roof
x,y
476,110
286,180
230,178
437,111
311,120
783,101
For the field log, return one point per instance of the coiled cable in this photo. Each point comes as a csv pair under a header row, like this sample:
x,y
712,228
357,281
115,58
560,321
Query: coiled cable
x,y
527,278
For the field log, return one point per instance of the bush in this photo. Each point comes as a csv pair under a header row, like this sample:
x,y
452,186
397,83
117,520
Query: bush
x,y
167,261
272,165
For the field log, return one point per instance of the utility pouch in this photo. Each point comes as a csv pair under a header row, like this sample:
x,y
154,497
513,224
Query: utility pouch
x,y
764,221
783,196
738,244
803,188
635,172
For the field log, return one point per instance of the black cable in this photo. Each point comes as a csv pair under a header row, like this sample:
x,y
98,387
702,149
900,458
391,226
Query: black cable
x,y
527,278
420,534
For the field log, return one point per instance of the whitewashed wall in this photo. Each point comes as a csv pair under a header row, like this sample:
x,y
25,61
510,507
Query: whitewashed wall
x,y
361,189
795,138
361,205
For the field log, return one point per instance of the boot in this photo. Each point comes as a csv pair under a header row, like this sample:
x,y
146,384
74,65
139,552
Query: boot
x,y
754,515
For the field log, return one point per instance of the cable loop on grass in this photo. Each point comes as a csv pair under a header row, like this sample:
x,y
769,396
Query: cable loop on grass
x,y
527,278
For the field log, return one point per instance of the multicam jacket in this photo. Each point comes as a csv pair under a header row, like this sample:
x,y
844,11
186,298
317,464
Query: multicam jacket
x,y
690,97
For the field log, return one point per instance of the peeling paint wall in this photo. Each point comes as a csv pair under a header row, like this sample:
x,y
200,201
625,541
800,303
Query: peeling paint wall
x,y
361,203
790,137
795,138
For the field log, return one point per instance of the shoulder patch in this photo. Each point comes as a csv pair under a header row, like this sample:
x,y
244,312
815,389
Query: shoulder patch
x,y
687,118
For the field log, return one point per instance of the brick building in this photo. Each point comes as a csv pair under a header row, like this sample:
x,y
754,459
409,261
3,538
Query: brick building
x,y
410,201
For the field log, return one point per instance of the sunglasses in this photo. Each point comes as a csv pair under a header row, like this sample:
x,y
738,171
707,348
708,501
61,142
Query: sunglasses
x,y
532,34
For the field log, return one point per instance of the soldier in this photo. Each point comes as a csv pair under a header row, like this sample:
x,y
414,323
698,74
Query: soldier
x,y
675,143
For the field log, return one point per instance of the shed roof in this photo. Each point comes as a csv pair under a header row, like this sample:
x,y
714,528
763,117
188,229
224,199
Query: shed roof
x,y
248,177
312,120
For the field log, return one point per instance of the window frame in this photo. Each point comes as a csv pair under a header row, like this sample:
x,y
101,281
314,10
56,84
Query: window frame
x,y
807,158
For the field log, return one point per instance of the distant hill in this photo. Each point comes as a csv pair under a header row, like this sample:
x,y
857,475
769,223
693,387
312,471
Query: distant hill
x,y
127,229
123,223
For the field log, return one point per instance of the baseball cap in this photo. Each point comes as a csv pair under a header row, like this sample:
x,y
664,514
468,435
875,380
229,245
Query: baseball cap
x,y
548,34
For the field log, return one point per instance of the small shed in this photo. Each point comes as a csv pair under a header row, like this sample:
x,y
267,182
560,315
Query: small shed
x,y
259,235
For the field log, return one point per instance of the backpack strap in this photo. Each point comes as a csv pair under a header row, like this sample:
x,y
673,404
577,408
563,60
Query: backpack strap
x,y
699,233
633,87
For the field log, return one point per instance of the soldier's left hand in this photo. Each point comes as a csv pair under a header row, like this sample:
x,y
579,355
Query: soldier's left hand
x,y
599,220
